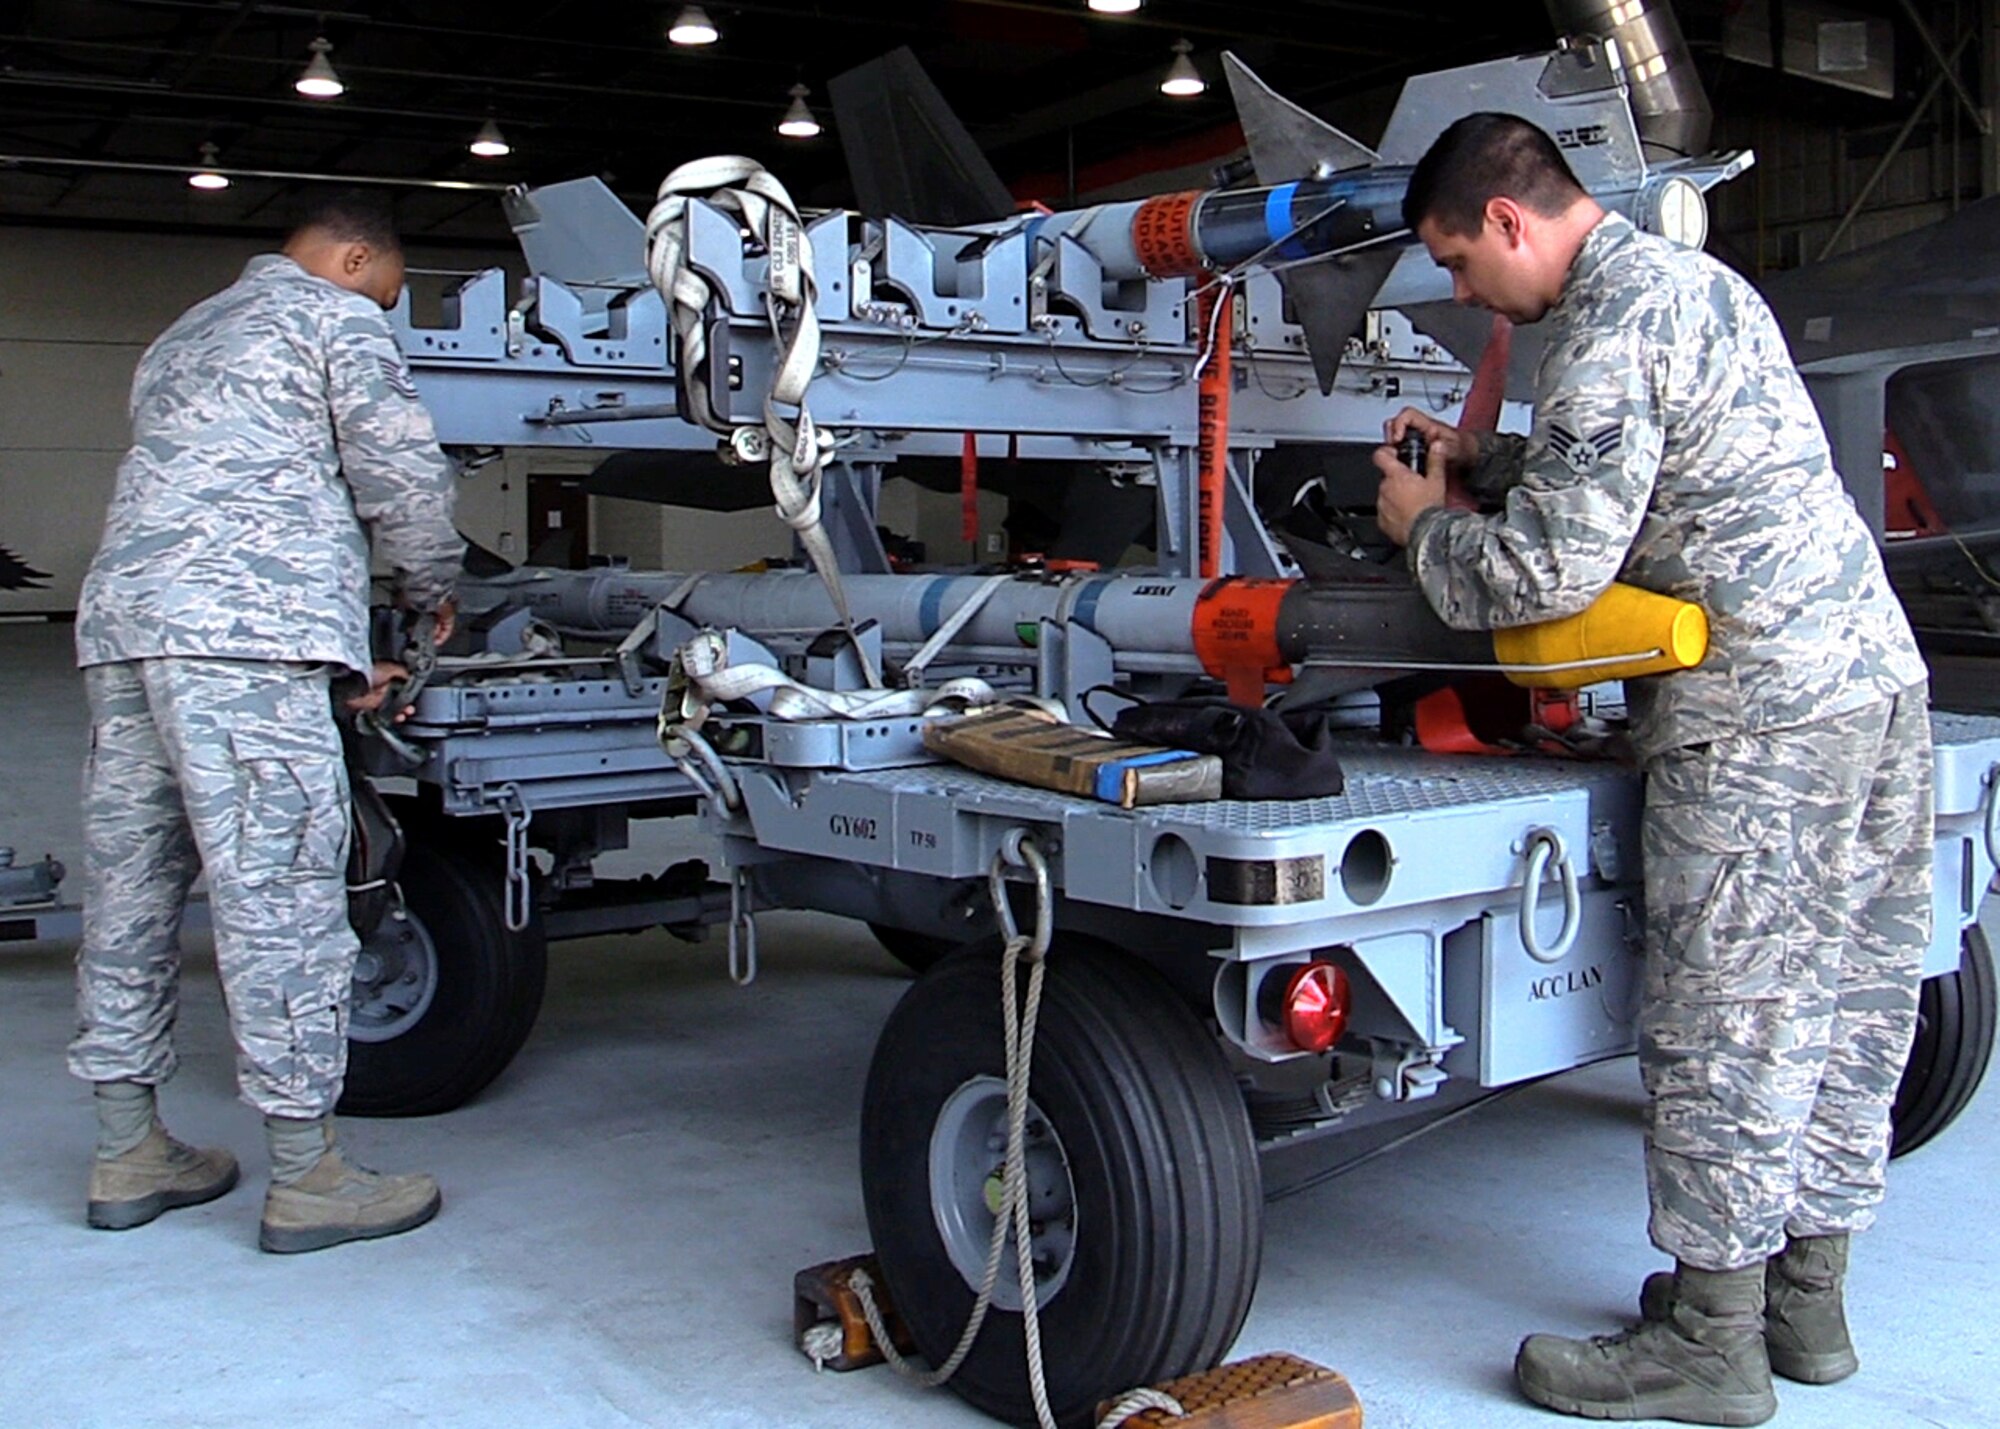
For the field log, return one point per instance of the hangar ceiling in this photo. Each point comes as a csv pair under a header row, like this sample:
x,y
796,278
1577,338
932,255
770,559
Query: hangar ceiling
x,y
105,104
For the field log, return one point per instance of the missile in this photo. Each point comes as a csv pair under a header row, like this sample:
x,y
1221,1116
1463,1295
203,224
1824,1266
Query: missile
x,y
1242,631
1326,215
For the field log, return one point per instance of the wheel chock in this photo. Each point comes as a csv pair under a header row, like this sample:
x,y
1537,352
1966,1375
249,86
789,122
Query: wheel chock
x,y
1265,1392
827,1319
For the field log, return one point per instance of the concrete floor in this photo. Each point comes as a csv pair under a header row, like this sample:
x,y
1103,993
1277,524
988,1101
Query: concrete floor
x,y
626,1206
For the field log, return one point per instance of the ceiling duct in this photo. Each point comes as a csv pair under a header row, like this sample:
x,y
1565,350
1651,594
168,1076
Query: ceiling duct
x,y
1667,98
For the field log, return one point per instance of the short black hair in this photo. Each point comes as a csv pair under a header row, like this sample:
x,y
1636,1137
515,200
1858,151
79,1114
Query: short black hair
x,y
352,216
1485,156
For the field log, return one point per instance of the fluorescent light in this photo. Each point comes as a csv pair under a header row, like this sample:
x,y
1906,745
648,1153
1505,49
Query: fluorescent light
x,y
1114,7
489,142
1183,80
206,177
798,122
317,80
693,27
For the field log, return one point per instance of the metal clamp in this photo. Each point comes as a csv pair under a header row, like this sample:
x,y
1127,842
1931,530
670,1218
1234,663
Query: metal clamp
x,y
1018,850
1542,845
519,902
742,929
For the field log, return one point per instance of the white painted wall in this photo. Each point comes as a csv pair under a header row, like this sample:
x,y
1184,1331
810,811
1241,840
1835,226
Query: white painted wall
x,y
78,307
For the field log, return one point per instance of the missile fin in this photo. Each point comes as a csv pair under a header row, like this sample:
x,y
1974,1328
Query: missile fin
x,y
1287,142
1331,299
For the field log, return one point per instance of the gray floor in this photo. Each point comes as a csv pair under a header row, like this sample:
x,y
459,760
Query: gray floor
x,y
625,1209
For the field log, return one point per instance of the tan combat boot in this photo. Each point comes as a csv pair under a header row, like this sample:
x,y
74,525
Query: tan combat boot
x,y
1805,1319
159,1174
334,1201
1704,1363
139,1170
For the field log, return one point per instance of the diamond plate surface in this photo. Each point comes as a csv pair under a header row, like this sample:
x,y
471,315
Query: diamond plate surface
x,y
1380,784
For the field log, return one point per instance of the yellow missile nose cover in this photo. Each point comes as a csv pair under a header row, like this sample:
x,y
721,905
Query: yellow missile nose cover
x,y
1626,632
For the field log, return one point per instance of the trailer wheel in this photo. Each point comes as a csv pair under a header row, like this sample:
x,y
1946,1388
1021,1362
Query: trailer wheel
x,y
915,951
1142,1174
1955,1025
445,996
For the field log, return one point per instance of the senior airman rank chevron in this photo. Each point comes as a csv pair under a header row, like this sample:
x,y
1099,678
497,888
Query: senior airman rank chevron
x,y
1582,454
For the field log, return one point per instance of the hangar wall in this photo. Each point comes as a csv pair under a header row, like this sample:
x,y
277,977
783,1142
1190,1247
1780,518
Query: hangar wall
x,y
78,307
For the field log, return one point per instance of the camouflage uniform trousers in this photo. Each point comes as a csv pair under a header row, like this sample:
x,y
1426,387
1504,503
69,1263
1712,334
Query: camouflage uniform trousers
x,y
1788,887
232,767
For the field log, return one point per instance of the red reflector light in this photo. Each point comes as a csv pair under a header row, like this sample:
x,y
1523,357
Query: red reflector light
x,y
1316,1006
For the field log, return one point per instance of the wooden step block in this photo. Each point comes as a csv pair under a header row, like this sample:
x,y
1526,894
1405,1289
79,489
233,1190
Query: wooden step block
x,y
1265,1392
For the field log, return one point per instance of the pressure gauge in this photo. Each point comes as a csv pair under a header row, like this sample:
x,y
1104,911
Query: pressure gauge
x,y
1675,209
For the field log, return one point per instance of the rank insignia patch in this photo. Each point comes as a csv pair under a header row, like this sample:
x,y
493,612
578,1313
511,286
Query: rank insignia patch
x,y
398,379
1583,454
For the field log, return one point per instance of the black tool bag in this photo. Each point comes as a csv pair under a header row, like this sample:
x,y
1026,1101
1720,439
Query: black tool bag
x,y
1265,753
374,856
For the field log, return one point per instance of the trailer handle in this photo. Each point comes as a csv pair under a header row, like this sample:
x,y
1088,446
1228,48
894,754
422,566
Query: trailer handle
x,y
1542,845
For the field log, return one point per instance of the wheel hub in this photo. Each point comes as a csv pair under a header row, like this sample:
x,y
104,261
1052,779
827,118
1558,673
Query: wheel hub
x,y
395,978
967,1177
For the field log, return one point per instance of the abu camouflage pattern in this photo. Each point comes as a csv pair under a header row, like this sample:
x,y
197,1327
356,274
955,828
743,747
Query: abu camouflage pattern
x,y
274,430
1788,898
1675,448
232,768
1787,827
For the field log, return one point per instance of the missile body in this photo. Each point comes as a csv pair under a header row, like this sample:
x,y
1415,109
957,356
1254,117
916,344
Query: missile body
x,y
1234,629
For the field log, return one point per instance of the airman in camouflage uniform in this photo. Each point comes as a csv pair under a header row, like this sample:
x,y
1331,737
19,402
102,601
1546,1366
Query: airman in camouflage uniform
x,y
275,430
1787,826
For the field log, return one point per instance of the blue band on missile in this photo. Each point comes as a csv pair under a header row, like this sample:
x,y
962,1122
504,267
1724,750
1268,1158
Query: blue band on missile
x,y
1278,222
1085,612
930,611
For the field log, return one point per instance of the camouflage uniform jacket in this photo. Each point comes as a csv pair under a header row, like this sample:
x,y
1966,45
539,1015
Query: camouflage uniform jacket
x,y
274,425
1675,448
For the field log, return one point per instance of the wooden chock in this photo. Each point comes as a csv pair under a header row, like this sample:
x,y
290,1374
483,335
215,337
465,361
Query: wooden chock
x,y
827,1321
1264,1392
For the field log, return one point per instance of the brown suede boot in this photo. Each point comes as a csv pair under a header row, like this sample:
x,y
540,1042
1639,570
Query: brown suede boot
x,y
159,1174
1703,1364
334,1201
1805,1319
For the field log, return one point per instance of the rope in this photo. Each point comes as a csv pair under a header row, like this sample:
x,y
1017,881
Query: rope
x,y
796,447
822,1342
1138,1402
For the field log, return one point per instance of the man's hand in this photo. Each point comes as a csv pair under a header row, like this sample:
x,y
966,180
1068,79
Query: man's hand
x,y
385,673
1405,495
1459,448
447,621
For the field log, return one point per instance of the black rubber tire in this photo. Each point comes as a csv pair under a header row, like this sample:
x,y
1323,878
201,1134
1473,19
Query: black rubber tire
x,y
916,951
1955,1026
489,989
1169,1190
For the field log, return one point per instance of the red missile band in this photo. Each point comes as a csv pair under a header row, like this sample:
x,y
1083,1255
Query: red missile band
x,y
1163,236
1235,634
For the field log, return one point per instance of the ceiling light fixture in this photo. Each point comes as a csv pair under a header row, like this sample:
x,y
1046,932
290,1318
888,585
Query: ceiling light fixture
x,y
206,177
489,142
693,27
1114,7
798,122
1183,80
317,80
